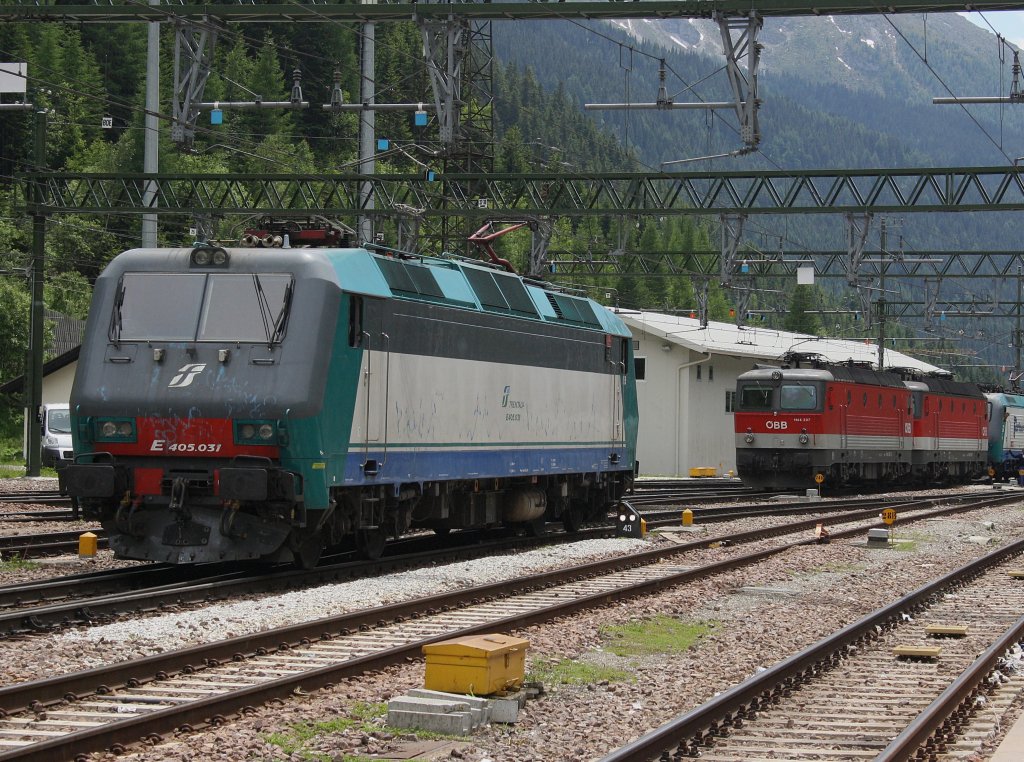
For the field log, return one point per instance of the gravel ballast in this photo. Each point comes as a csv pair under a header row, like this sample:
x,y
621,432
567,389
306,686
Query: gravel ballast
x,y
758,615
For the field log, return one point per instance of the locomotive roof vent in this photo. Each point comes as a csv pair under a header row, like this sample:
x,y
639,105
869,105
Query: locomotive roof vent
x,y
208,256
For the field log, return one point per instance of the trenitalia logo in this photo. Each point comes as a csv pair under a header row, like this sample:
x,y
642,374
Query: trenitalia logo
x,y
186,375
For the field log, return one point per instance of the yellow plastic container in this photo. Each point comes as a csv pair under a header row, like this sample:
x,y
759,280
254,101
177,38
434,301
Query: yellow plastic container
x,y
702,471
476,665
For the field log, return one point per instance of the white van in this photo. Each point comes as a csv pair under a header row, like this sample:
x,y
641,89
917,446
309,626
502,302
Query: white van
x,y
56,433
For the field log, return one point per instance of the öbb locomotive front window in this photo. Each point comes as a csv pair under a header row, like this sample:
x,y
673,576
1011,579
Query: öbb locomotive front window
x,y
755,398
799,397
233,307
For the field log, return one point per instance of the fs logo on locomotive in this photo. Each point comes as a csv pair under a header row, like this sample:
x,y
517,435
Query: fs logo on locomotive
x,y
186,375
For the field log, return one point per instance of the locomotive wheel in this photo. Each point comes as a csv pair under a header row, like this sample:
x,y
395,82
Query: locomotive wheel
x,y
370,543
441,529
307,555
537,527
572,520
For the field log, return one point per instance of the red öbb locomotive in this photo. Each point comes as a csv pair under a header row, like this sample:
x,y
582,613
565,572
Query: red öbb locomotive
x,y
811,423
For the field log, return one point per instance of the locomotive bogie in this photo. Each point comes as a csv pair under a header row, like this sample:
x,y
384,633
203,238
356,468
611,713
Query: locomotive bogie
x,y
385,396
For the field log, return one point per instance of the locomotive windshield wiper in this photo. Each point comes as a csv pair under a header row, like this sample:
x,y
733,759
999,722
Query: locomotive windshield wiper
x,y
282,316
115,319
261,298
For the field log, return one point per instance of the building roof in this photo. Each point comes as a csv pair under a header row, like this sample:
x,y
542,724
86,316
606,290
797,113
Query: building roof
x,y
759,343
17,385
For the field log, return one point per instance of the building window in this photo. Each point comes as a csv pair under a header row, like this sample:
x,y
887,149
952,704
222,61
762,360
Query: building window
x,y
711,373
730,400
640,367
636,345
698,373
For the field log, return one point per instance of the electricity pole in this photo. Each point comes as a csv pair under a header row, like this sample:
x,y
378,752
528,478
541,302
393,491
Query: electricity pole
x,y
34,376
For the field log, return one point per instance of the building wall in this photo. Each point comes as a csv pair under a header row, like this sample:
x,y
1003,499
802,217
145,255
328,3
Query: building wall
x,y
684,423
57,385
56,389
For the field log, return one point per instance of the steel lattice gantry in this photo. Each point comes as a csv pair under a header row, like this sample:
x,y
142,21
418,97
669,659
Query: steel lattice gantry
x,y
128,10
961,189
929,265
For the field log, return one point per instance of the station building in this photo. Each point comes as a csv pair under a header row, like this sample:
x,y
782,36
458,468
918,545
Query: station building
x,y
686,382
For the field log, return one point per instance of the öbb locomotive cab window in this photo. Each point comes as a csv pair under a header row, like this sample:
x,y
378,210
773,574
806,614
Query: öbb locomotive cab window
x,y
799,397
755,398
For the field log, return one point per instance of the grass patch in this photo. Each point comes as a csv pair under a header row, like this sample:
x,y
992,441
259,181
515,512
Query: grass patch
x,y
660,635
295,740
17,564
572,672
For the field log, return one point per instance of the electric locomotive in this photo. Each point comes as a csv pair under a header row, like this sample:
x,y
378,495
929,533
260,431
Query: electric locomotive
x,y
235,404
1006,435
838,424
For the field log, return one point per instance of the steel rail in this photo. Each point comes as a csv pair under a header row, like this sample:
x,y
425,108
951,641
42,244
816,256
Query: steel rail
x,y
768,684
212,710
939,714
97,608
52,543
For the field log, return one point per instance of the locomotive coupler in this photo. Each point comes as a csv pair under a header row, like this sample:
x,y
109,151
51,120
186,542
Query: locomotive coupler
x,y
123,518
179,491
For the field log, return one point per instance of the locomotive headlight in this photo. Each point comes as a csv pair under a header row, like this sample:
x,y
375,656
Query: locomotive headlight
x,y
256,432
749,438
201,257
804,439
115,430
220,257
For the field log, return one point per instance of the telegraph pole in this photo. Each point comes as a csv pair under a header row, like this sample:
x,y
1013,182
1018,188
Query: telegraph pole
x,y
151,150
367,128
881,295
34,377
1017,334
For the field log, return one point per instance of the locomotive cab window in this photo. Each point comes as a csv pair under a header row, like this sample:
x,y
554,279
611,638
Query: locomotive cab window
x,y
799,397
755,398
247,307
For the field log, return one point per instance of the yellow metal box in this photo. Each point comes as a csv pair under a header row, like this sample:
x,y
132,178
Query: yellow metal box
x,y
702,471
476,665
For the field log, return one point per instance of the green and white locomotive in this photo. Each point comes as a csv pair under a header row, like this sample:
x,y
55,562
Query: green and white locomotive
x,y
236,404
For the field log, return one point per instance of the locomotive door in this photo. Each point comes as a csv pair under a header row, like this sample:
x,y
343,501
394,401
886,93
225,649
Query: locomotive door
x,y
374,381
618,380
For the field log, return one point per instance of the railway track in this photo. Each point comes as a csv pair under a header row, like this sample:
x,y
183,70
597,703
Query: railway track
x,y
852,696
100,597
44,496
48,544
112,706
